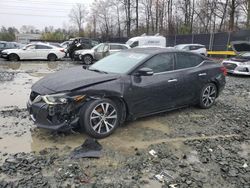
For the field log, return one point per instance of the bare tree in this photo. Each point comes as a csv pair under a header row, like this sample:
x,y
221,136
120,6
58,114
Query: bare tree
x,y
77,16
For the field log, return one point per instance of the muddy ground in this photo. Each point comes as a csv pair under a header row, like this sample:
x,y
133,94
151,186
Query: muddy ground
x,y
194,147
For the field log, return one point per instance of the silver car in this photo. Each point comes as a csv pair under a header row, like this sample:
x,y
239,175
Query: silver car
x,y
98,52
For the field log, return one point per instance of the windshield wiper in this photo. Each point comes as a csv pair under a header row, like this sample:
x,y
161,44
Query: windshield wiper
x,y
96,70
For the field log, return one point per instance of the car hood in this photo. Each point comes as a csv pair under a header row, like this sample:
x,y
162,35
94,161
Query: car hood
x,y
8,51
239,59
70,79
240,46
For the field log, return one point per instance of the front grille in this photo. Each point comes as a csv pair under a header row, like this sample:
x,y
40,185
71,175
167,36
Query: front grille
x,y
230,66
33,95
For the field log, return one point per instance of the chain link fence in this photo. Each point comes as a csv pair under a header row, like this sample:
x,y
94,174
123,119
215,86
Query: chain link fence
x,y
214,41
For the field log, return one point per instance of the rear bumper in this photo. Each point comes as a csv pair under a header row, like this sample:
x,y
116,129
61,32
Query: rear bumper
x,y
221,82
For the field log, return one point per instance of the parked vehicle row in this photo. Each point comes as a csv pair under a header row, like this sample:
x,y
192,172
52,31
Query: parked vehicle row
x,y
9,45
41,51
98,52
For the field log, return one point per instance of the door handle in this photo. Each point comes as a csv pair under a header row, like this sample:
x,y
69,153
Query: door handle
x,y
172,80
202,74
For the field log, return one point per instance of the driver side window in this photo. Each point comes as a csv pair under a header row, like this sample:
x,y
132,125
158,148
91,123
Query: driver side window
x,y
100,48
160,63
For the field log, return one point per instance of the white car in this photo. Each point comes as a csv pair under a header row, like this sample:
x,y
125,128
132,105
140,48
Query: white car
x,y
35,51
239,64
98,52
196,48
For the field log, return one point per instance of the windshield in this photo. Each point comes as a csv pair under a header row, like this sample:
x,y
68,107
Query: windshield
x,y
120,62
179,47
95,47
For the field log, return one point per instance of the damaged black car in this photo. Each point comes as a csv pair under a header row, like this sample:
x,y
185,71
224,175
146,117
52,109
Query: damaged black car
x,y
125,86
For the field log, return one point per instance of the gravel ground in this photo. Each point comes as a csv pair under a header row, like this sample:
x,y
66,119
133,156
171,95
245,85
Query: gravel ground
x,y
194,147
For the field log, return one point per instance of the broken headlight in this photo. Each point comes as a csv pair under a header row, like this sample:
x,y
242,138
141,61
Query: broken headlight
x,y
61,98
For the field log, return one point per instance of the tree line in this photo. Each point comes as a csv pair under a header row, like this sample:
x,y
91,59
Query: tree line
x,y
126,18
168,17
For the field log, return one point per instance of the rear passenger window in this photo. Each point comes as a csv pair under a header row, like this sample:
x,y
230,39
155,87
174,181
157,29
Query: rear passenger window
x,y
43,47
160,63
115,47
187,60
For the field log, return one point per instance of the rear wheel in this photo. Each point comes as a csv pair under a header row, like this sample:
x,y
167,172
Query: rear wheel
x,y
13,57
100,118
52,57
87,59
208,95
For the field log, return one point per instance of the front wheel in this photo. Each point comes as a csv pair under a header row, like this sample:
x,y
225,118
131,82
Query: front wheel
x,y
13,57
87,59
100,118
208,95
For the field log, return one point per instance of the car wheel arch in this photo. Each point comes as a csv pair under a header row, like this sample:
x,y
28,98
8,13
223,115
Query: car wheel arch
x,y
52,54
119,100
14,54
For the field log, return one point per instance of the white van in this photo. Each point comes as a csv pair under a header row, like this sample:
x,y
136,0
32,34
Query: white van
x,y
143,40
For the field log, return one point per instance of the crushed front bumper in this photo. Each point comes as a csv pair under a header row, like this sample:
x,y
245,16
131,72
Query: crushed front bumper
x,y
51,116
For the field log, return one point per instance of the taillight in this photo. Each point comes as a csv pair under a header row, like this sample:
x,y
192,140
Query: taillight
x,y
62,50
223,70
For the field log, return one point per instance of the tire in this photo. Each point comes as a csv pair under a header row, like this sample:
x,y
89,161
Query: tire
x,y
13,57
100,118
52,57
208,95
87,59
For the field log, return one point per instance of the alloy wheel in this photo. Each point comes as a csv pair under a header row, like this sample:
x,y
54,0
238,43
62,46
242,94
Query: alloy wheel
x,y
209,95
103,118
87,60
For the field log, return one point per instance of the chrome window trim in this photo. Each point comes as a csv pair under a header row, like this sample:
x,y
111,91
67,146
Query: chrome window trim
x,y
180,69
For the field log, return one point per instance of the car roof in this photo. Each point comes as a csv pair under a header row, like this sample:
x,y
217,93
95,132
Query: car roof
x,y
190,45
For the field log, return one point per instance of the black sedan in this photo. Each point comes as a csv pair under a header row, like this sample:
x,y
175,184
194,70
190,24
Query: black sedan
x,y
124,86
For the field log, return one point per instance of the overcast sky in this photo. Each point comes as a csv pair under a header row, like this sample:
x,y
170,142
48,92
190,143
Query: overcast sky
x,y
39,13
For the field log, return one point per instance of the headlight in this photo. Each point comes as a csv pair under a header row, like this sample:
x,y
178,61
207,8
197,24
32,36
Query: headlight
x,y
61,98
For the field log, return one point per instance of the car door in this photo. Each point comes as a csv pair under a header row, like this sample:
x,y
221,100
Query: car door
x,y
114,48
42,51
154,93
101,51
29,52
190,75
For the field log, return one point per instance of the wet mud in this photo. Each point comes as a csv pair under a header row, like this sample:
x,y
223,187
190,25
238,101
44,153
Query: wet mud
x,y
194,147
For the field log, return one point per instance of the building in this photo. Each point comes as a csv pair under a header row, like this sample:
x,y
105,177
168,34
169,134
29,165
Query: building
x,y
25,38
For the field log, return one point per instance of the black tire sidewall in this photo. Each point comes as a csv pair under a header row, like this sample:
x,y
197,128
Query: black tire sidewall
x,y
13,57
52,57
85,117
201,104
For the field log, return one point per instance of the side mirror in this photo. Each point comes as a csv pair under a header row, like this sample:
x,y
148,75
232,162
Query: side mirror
x,y
23,48
144,72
